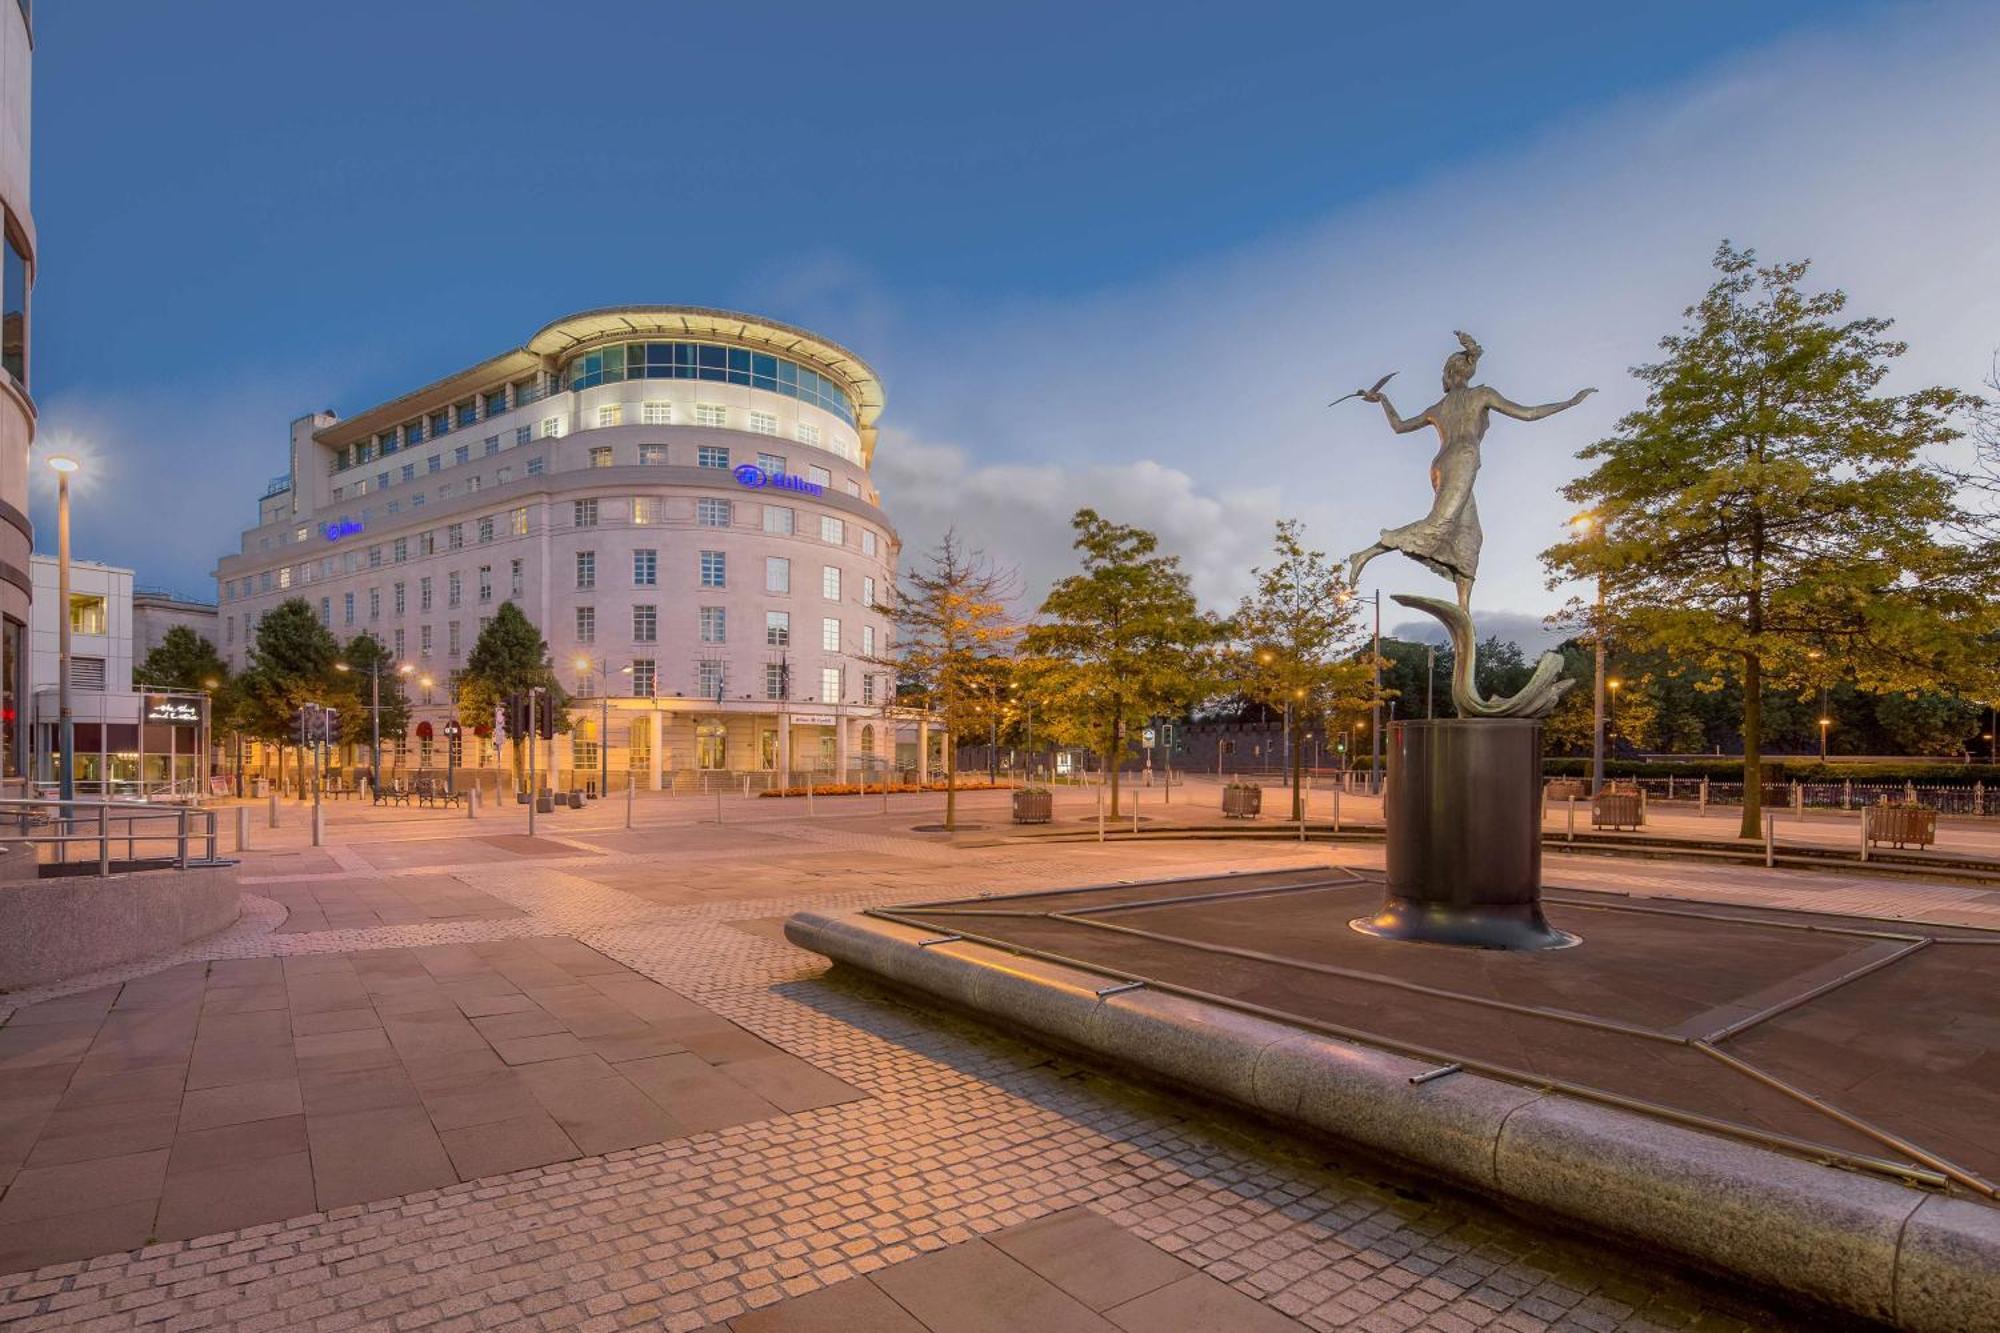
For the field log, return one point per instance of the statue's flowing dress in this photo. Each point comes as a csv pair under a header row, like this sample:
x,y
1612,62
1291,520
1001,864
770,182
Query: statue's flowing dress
x,y
1447,539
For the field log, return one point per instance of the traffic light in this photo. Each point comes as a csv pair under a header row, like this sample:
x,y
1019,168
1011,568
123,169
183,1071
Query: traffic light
x,y
329,719
545,719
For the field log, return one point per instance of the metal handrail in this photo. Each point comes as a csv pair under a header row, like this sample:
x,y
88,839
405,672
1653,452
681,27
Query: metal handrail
x,y
190,825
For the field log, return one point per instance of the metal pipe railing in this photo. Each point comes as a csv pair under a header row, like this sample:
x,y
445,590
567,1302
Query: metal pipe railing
x,y
62,823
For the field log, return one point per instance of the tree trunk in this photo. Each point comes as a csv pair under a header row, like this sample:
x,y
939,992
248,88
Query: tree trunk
x,y
1753,753
1298,777
950,783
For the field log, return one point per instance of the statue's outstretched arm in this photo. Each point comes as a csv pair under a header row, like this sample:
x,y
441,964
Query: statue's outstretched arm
x,y
1508,407
1397,423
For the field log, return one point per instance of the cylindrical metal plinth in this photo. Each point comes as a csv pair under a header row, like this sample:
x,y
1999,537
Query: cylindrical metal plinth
x,y
1463,810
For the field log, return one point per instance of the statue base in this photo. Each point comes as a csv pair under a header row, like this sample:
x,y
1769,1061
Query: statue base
x,y
1463,811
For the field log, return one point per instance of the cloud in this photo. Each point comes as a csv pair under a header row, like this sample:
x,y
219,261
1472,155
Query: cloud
x,y
1200,395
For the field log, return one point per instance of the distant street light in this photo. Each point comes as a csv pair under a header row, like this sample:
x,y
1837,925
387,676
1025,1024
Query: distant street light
x,y
65,721
1584,524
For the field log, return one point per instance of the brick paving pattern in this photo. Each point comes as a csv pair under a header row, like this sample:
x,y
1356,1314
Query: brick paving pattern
x,y
959,1135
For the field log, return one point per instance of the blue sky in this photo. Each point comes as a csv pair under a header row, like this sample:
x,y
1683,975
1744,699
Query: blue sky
x,y
247,211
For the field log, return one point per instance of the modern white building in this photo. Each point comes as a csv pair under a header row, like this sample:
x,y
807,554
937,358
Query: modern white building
x,y
679,498
157,610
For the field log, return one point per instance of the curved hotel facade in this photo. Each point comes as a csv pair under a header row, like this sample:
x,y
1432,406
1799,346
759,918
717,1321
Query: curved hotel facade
x,y
678,498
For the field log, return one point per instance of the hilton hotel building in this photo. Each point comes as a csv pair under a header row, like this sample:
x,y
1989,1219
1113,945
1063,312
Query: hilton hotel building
x,y
678,498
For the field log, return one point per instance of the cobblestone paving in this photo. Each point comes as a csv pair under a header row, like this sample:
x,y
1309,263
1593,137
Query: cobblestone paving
x,y
963,1133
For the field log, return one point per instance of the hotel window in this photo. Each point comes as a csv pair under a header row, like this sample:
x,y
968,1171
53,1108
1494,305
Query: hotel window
x,y
711,455
473,484
714,569
435,463
645,511
454,588
772,463
454,537
463,454
229,629
402,642
347,608
868,641
645,569
853,487
868,688
808,434
867,542
776,678
409,472
535,466
424,640
712,513
601,456
374,603
584,514
643,680
514,578
465,414
829,582
646,623
402,601
503,476
361,487
522,434
494,403
381,481
552,427
586,624
87,614
778,520
708,684
829,685
867,590
777,574
395,506
829,635
652,455
485,529
427,543
609,414
518,521
711,414
284,580
832,530
586,569
264,581
819,476
485,583
299,535
777,629
401,549
454,639
763,423
656,414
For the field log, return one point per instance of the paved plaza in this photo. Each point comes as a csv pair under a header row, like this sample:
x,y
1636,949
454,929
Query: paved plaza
x,y
445,1075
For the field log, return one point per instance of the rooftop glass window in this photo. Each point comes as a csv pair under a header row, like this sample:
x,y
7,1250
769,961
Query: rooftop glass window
x,y
707,361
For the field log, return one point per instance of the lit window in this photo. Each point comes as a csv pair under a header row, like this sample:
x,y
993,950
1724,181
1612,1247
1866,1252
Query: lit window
x,y
646,623
585,512
867,591
657,414
868,641
777,629
586,624
712,513
808,434
652,454
832,530
829,635
609,414
714,569
778,520
643,680
88,615
645,510
777,574
829,685
645,568
714,625
586,569
600,456
552,426
711,414
829,582
518,521
285,577
503,476
763,423
711,455
774,464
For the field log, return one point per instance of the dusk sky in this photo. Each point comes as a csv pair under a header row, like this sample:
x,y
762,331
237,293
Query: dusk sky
x,y
1111,255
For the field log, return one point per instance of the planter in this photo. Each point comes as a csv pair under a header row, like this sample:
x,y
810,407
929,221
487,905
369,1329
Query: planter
x,y
1033,807
1565,789
1617,809
576,800
1242,800
1902,825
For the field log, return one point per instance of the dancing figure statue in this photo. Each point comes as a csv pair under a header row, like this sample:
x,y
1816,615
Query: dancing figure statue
x,y
1446,540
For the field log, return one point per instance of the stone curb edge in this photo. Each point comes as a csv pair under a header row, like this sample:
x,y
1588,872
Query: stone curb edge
x,y
1871,1247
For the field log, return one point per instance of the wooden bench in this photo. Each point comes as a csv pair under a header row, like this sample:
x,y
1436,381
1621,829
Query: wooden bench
x,y
393,793
1901,825
432,792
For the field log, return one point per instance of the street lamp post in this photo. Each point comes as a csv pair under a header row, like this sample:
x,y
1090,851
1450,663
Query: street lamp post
x,y
65,721
375,712
1584,524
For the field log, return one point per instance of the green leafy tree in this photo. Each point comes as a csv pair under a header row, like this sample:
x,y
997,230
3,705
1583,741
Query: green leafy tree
x,y
1295,637
951,624
291,665
1118,643
510,657
1767,503
365,653
1408,667
183,660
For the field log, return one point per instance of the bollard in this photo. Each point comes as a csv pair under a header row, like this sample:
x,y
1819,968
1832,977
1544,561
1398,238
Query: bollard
x,y
630,787
1572,819
746,784
472,803
1770,838
1798,799
274,809
242,828
1100,812
319,825
1864,834
1336,810
1701,807
718,803
1135,810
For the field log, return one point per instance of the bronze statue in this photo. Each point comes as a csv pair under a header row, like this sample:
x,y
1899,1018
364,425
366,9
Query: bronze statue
x,y
1447,539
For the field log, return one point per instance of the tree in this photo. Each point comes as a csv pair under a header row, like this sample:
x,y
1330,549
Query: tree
x,y
183,660
510,657
1766,504
1119,643
950,621
365,654
1295,638
291,665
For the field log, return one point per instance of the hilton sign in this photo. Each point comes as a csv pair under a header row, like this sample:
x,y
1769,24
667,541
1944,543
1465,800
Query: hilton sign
x,y
757,479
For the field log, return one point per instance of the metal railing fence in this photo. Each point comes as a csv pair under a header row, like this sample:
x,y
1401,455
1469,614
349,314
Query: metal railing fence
x,y
185,835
